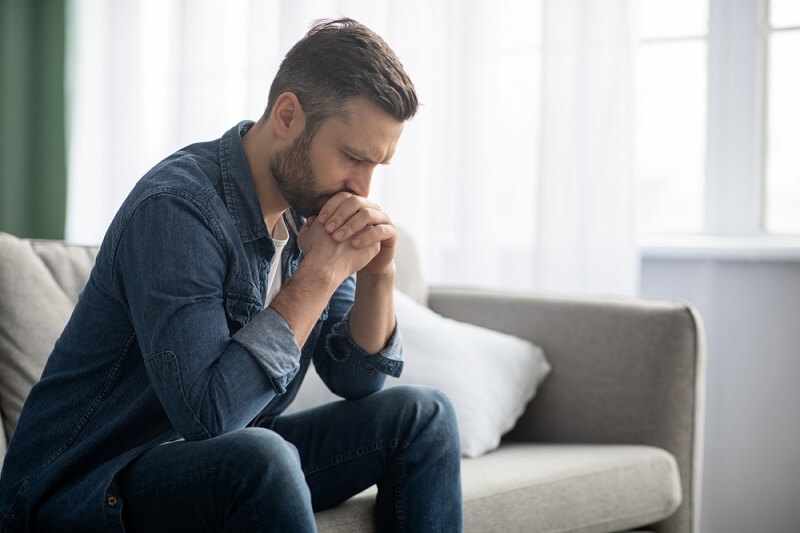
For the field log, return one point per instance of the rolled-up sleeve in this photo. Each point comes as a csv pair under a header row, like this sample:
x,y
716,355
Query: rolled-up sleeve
x,y
343,349
346,368
273,344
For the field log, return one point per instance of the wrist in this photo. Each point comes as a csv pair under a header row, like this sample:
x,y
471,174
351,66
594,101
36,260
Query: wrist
x,y
386,273
318,278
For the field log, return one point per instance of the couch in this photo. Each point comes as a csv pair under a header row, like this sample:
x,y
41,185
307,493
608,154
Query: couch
x,y
612,440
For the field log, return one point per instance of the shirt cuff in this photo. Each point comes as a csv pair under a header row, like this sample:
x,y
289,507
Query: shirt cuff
x,y
341,347
272,343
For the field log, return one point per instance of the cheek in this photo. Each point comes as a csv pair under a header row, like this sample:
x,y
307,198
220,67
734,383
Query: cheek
x,y
329,173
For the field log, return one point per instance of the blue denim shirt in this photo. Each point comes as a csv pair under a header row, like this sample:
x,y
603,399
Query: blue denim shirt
x,y
169,340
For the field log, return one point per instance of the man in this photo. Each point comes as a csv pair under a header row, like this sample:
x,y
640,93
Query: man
x,y
160,406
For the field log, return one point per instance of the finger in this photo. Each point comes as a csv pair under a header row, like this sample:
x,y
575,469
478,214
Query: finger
x,y
332,205
385,234
342,217
364,218
342,212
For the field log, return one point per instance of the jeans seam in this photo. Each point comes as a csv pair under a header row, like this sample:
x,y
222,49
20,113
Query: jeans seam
x,y
360,452
400,516
220,469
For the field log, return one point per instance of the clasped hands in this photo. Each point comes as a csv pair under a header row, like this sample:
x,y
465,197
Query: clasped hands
x,y
350,234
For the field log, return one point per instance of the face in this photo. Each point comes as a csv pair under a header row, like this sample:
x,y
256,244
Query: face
x,y
341,156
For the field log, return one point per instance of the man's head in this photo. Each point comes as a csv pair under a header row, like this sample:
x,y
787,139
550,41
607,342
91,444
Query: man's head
x,y
336,110
337,61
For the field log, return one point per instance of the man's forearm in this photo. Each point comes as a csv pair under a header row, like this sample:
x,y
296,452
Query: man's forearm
x,y
372,318
303,298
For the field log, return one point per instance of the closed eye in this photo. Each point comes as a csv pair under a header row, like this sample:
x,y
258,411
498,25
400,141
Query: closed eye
x,y
351,158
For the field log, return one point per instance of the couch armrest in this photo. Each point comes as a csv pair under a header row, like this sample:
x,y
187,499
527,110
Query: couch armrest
x,y
624,371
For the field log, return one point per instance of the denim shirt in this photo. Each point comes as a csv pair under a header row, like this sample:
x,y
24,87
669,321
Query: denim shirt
x,y
170,339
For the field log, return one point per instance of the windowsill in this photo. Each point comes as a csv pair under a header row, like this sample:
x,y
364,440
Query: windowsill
x,y
711,247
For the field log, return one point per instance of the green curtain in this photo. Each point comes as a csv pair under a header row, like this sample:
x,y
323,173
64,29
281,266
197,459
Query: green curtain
x,y
33,166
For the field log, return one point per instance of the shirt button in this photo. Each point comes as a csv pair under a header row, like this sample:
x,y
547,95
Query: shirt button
x,y
112,501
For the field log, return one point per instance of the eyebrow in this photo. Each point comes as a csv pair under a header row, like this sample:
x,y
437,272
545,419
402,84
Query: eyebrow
x,y
361,155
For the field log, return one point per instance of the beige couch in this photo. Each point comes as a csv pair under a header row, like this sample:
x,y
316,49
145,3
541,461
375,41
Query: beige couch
x,y
611,442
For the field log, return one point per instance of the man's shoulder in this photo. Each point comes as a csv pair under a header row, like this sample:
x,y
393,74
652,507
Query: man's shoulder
x,y
194,169
189,177
191,174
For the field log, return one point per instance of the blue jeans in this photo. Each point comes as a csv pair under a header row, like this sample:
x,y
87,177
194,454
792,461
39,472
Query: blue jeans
x,y
275,476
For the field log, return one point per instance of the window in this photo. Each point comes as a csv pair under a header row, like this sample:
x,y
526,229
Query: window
x,y
718,120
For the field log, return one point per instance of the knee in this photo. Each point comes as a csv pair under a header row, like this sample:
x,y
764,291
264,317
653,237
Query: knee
x,y
428,400
262,471
430,410
261,454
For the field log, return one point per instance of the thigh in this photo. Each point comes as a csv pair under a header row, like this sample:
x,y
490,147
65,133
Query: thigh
x,y
215,484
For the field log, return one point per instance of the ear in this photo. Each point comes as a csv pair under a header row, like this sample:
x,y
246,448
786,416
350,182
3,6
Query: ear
x,y
288,117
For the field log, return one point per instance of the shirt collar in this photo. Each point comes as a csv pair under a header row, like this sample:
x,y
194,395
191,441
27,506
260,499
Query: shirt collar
x,y
240,190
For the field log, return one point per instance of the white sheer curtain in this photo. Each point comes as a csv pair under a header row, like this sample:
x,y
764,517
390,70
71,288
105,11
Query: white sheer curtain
x,y
516,173
586,215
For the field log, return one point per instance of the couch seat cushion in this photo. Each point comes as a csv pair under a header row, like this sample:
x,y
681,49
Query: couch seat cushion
x,y
537,488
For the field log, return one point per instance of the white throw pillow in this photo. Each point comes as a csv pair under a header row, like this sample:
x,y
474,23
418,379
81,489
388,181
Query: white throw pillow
x,y
489,376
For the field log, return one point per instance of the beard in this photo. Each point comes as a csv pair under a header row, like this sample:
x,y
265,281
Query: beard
x,y
294,177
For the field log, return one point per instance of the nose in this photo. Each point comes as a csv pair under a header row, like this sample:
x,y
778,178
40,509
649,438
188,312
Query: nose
x,y
361,180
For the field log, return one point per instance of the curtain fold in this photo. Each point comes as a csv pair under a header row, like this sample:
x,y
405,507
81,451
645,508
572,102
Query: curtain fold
x,y
33,171
586,231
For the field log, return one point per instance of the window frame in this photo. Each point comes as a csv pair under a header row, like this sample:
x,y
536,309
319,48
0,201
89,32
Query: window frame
x,y
736,124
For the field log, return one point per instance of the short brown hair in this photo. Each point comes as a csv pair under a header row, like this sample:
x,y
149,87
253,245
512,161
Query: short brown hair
x,y
337,61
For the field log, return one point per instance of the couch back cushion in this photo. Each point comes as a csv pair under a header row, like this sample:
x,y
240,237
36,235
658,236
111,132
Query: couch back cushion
x,y
409,274
39,285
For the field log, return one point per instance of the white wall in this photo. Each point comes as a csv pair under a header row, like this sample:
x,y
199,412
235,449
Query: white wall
x,y
751,311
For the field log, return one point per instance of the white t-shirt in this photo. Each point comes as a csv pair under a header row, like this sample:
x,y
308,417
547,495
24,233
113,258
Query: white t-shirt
x,y
280,236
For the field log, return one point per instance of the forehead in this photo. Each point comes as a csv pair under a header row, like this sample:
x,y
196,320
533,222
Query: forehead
x,y
365,128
